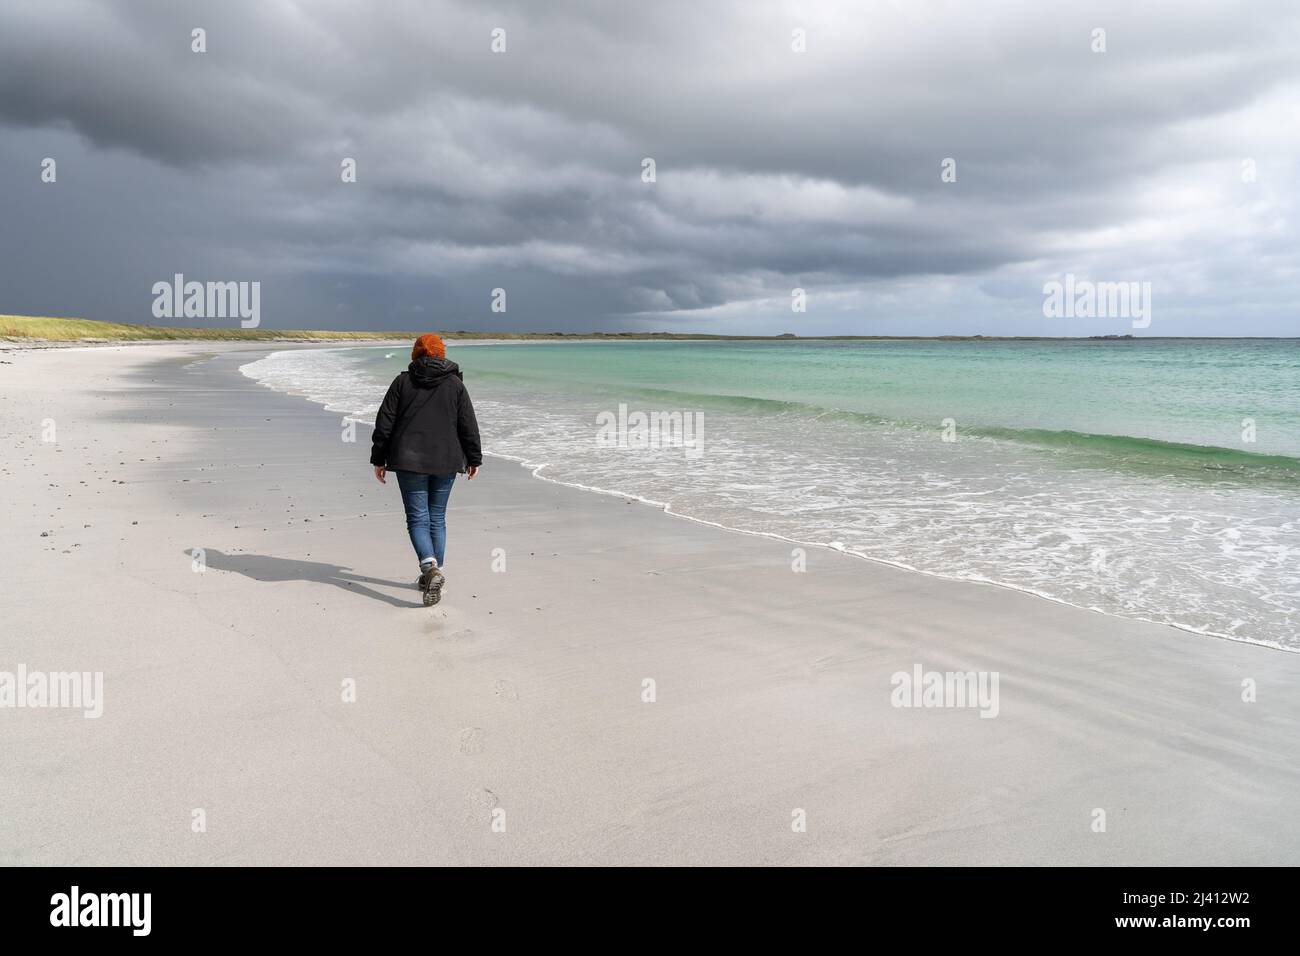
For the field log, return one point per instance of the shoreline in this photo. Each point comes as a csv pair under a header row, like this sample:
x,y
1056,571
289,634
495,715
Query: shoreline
x,y
666,508
522,693
535,468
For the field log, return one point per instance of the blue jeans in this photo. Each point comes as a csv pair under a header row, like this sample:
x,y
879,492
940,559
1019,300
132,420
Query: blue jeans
x,y
425,499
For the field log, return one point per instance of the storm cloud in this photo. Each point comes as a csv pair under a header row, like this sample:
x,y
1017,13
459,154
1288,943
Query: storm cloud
x,y
1169,158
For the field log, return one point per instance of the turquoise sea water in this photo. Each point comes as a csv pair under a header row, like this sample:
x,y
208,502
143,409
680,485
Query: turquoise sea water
x,y
1157,479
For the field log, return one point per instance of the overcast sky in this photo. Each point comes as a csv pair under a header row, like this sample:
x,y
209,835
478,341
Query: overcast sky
x,y
775,169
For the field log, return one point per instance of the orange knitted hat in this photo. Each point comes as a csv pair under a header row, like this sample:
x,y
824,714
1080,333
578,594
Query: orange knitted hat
x,y
428,344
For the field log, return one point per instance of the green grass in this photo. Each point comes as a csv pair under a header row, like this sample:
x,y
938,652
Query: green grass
x,y
48,329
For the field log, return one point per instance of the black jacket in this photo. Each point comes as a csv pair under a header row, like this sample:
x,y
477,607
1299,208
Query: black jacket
x,y
426,423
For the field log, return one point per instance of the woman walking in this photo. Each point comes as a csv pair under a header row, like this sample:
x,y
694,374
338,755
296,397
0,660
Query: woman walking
x,y
426,434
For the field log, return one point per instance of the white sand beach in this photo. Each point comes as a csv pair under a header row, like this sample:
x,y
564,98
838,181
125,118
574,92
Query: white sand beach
x,y
510,725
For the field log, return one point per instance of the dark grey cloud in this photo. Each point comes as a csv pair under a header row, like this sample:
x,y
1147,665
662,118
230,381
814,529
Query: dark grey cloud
x,y
775,169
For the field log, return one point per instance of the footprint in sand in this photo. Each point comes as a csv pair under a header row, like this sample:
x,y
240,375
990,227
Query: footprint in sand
x,y
505,690
471,741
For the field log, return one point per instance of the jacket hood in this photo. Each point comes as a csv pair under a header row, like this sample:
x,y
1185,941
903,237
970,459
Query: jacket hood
x,y
427,371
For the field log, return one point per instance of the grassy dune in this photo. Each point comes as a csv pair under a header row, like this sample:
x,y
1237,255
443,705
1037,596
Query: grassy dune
x,y
31,328
48,329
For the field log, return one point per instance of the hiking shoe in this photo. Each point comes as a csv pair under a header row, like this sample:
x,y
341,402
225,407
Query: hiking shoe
x,y
431,582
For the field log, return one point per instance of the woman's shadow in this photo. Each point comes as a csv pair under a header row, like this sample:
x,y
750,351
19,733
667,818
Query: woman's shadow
x,y
263,567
